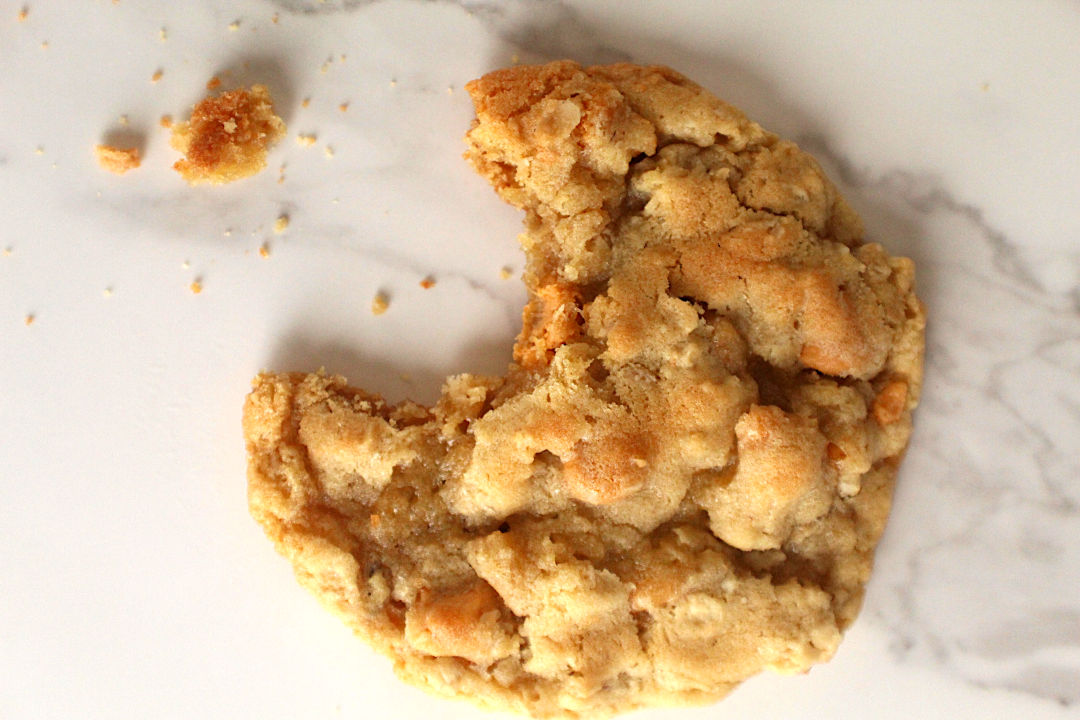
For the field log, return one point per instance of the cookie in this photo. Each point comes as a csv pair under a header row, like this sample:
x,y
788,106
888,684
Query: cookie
x,y
681,478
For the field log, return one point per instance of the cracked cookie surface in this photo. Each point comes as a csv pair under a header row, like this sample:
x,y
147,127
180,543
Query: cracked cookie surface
x,y
682,477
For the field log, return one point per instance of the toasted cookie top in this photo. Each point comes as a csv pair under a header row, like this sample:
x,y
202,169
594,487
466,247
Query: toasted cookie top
x,y
680,480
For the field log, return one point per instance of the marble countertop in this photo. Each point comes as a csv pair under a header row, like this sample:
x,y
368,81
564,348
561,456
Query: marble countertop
x,y
134,582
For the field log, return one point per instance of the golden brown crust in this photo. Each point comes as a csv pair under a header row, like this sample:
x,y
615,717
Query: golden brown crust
x,y
680,481
227,137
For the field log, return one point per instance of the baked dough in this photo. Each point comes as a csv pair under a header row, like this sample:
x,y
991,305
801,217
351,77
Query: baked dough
x,y
227,137
681,479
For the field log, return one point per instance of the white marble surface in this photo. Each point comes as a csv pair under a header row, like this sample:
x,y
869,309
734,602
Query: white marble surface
x,y
135,585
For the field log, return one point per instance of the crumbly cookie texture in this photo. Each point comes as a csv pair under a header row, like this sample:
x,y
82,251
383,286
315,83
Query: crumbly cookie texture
x,y
682,477
227,137
117,160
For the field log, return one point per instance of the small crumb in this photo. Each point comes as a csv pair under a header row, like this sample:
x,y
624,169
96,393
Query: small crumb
x,y
343,107
274,18
234,26
23,14
328,151
427,283
44,44
264,250
29,319
165,121
281,224
326,66
162,35
515,59
335,201
305,102
185,265
506,273
107,292
195,287
156,76
985,86
228,232
8,251
213,83
449,89
117,160
393,82
123,120
305,140
379,303
342,57
39,150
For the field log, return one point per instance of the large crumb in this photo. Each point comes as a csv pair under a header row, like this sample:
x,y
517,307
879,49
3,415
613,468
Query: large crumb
x,y
117,160
227,136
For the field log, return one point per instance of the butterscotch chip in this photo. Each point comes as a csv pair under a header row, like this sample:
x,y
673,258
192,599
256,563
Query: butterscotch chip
x,y
681,478
117,160
227,137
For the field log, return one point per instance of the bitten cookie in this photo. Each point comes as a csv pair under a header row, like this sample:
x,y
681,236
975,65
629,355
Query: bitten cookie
x,y
682,477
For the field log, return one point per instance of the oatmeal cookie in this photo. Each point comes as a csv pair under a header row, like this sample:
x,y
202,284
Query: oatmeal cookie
x,y
682,477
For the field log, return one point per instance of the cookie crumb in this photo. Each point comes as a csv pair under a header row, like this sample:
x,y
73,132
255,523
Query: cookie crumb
x,y
29,319
8,251
328,151
427,283
505,272
393,82
162,35
195,287
185,265
343,107
227,137
156,76
305,140
123,120
305,102
24,12
264,250
44,44
274,18
213,83
117,160
234,26
165,121
379,303
281,224
984,86
107,292
39,150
